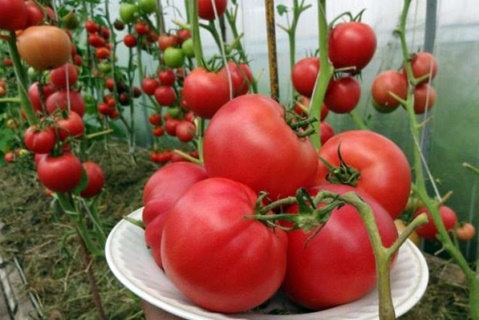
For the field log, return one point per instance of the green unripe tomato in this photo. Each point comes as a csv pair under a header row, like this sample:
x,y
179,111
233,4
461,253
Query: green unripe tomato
x,y
128,12
105,67
188,48
174,57
174,111
148,6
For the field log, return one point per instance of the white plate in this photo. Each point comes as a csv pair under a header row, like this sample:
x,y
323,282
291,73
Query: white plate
x,y
131,262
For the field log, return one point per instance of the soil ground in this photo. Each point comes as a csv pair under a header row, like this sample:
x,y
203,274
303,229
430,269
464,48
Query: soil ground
x,y
43,242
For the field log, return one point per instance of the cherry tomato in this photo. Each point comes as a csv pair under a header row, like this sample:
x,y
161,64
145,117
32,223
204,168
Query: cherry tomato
x,y
142,28
343,94
185,131
279,163
351,45
96,41
166,77
166,41
424,64
174,57
337,265
304,74
165,95
215,209
149,85
429,230
128,12
130,40
424,98
383,169
465,231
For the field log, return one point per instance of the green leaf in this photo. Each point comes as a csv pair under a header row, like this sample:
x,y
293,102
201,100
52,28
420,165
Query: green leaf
x,y
282,9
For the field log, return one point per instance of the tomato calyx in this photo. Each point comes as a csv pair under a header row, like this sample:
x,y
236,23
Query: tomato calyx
x,y
300,125
342,174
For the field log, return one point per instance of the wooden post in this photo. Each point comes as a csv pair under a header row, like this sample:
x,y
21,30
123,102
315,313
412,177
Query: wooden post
x,y
272,55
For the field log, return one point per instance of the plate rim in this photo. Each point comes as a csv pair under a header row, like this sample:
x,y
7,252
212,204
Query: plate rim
x,y
184,311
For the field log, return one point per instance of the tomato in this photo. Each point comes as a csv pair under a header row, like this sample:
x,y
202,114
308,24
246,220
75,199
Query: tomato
x,y
183,35
60,173
158,131
166,77
382,167
304,74
263,152
64,77
169,182
337,265
465,231
302,104
9,157
385,83
14,15
102,53
208,8
96,40
207,225
165,95
154,119
34,14
36,97
96,179
343,94
142,28
188,48
185,131
118,25
66,100
351,45
429,230
205,92
241,77
105,32
166,41
128,12
170,126
149,85
40,140
91,26
52,42
424,98
148,6
174,57
130,40
424,64
70,126
326,132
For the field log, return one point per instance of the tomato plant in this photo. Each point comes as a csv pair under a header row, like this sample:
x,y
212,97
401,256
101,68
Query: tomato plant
x,y
210,217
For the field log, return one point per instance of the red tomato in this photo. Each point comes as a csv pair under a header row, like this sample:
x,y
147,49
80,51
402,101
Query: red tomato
x,y
304,74
205,92
208,8
170,181
166,41
149,85
142,28
102,53
207,225
170,126
64,77
166,77
71,126
466,231
241,77
337,265
154,119
35,95
185,131
429,230
383,168
129,40
66,100
326,132
343,94
424,64
91,26
165,95
96,179
385,83
263,152
96,40
183,34
60,174
40,140
424,98
14,15
351,45
34,14
302,104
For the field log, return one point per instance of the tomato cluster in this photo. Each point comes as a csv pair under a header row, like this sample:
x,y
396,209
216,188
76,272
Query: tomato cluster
x,y
200,212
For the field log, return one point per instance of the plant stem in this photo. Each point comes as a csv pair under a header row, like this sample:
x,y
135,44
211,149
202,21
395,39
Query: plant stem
x,y
195,33
326,71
